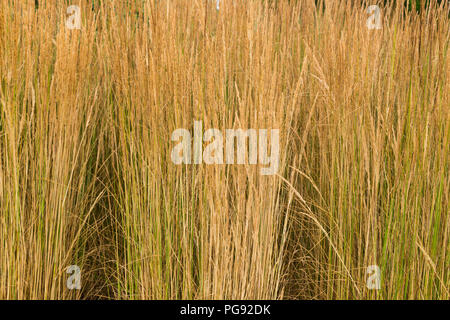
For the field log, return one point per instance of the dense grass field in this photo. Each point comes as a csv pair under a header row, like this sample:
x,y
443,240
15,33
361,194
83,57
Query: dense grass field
x,y
86,176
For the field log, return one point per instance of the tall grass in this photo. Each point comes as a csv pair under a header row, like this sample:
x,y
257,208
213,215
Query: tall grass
x,y
49,154
86,177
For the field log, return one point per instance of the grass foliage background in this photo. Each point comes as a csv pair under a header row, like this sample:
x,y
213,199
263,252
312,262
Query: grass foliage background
x,y
85,171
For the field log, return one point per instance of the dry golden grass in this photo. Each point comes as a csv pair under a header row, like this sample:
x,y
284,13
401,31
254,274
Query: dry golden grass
x,y
86,177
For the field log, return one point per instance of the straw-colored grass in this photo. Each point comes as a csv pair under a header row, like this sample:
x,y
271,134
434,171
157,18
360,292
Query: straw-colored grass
x,y
86,176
